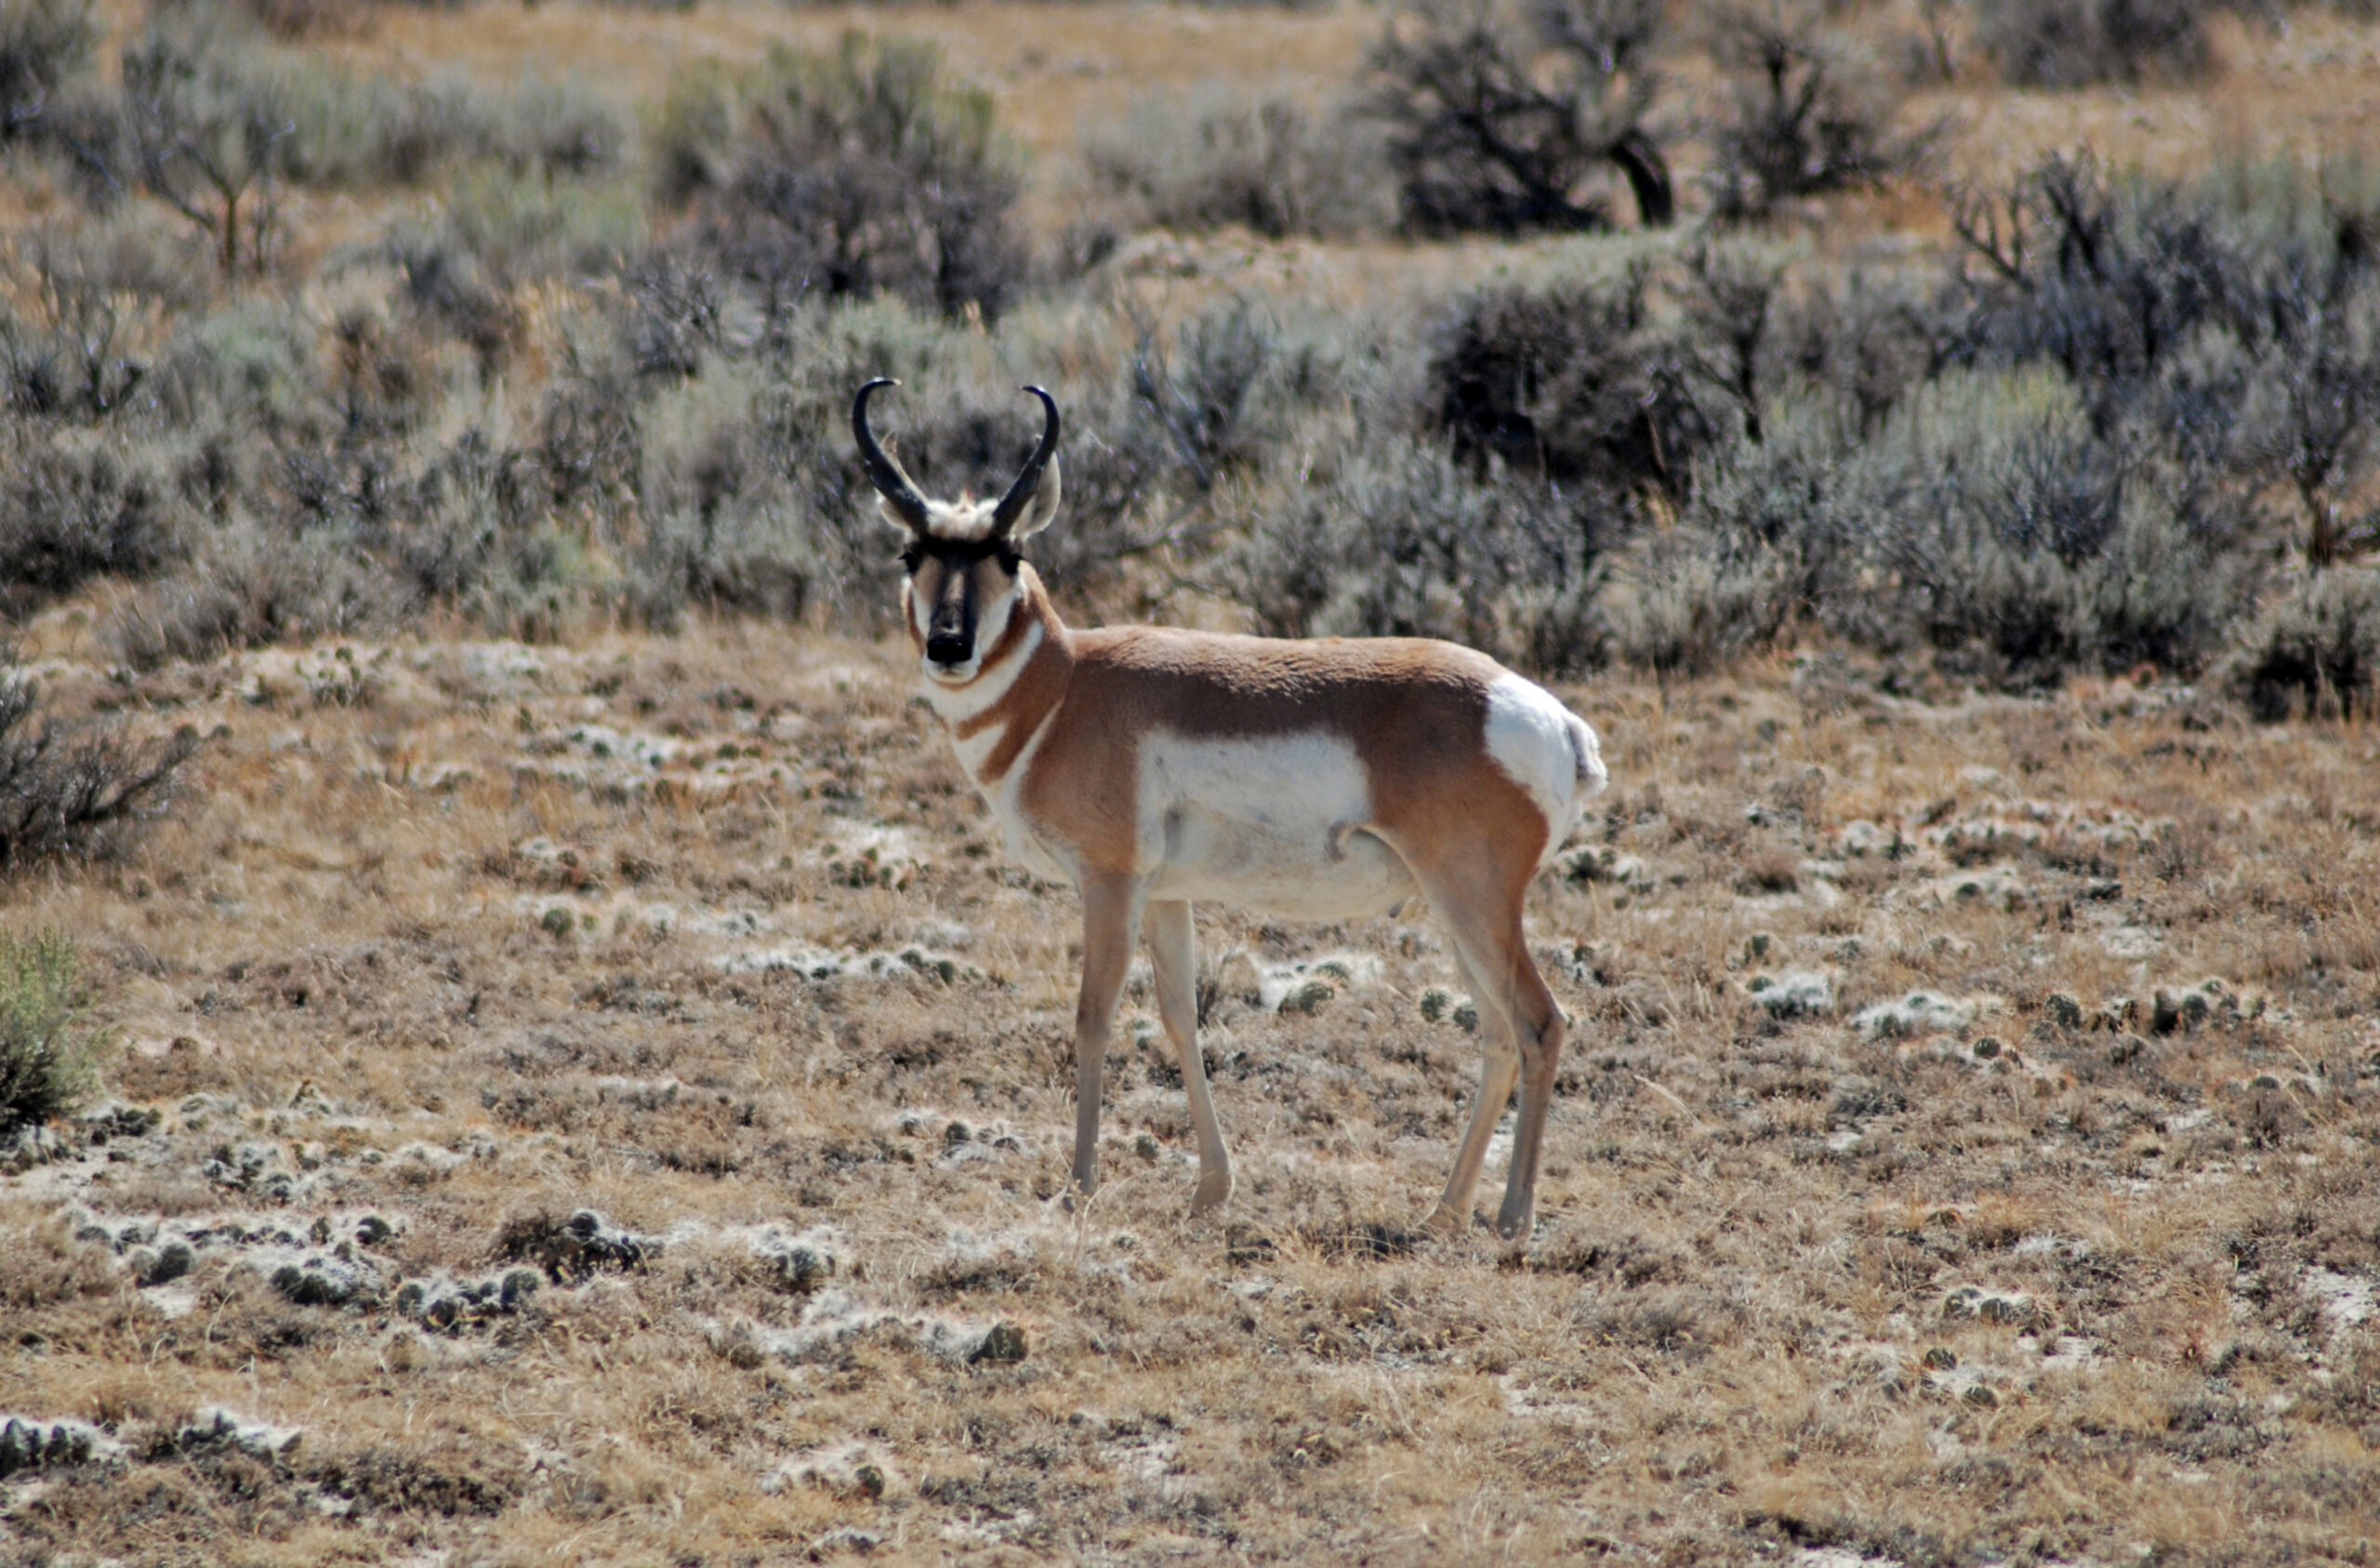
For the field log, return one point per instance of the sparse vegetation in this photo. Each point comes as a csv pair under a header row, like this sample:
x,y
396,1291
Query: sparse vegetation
x,y
1924,988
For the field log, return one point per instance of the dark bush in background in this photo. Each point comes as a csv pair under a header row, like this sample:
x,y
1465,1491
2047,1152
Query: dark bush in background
x,y
2077,42
43,44
75,790
72,512
1575,382
2240,338
1498,113
2315,652
1803,117
853,173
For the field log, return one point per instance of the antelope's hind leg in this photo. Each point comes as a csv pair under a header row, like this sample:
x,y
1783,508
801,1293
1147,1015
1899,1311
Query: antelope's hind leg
x,y
1480,907
1173,955
1541,1031
1497,1075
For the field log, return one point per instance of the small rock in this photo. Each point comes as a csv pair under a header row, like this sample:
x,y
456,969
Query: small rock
x,y
1005,1343
1308,997
1793,994
1920,1012
170,1262
848,1538
1942,1357
2064,1010
2004,1307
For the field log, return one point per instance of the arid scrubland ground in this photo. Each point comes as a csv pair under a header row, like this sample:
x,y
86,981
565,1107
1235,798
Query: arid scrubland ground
x,y
601,1098
1964,1151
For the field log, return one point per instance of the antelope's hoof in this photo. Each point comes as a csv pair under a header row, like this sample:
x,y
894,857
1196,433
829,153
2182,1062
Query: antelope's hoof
x,y
1446,1224
1213,1194
1516,1225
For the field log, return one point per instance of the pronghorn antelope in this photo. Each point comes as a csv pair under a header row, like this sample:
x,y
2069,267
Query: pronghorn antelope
x,y
1323,780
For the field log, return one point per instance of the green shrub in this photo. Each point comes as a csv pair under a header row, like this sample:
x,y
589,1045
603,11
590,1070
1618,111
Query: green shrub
x,y
1985,519
1685,605
249,586
48,1050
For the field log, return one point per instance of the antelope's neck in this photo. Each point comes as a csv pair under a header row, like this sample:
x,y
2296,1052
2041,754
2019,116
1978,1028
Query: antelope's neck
x,y
994,717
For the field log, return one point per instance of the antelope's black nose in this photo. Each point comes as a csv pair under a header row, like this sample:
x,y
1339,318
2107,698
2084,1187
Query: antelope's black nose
x,y
947,648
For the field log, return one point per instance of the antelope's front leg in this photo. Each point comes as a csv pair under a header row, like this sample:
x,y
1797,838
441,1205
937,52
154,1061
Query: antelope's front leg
x,y
1111,912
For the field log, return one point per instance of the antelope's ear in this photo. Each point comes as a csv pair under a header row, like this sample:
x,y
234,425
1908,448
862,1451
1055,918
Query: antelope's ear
x,y
1043,509
893,520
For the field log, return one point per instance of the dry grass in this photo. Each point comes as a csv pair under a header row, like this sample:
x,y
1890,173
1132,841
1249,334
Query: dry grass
x,y
348,994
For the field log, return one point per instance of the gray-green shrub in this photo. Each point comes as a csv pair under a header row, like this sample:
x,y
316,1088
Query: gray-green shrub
x,y
1226,156
1397,537
1985,520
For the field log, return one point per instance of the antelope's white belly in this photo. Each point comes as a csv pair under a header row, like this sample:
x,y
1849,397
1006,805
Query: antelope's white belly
x,y
1273,825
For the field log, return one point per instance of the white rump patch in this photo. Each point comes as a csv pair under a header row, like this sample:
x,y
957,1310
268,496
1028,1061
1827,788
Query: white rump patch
x,y
1546,749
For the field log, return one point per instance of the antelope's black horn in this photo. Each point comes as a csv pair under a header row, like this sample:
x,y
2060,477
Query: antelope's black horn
x,y
897,488
1013,504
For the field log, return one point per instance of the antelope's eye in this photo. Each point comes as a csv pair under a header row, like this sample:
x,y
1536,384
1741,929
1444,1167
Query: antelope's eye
x,y
912,557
